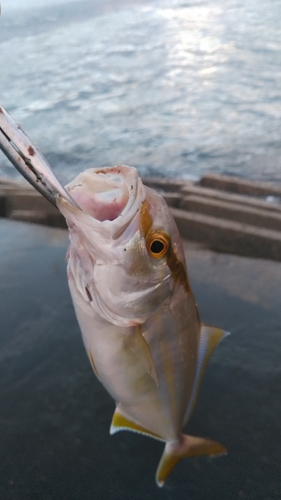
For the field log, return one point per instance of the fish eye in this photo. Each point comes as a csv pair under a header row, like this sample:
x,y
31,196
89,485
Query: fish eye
x,y
158,244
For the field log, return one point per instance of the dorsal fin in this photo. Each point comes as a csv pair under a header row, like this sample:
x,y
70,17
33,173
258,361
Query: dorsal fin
x,y
210,336
121,423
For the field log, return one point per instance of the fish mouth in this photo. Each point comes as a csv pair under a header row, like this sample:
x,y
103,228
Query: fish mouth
x,y
105,194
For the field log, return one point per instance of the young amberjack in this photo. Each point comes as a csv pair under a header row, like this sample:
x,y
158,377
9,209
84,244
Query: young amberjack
x,y
138,317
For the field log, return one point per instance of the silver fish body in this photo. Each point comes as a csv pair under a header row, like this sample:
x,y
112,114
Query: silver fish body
x,y
137,314
129,286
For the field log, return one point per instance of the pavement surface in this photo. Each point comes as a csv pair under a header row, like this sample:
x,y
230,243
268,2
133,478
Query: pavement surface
x,y
55,416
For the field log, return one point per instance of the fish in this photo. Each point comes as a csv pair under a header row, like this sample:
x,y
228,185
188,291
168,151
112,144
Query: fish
x,y
129,285
138,317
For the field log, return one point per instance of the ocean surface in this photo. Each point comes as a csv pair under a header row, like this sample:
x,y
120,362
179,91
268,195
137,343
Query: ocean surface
x,y
175,88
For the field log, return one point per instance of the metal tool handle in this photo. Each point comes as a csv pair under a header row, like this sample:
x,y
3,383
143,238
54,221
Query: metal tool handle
x,y
22,153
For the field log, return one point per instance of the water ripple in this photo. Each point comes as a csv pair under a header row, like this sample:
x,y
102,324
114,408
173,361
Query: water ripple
x,y
175,88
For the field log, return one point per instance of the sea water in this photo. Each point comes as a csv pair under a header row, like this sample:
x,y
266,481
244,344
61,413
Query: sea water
x,y
175,88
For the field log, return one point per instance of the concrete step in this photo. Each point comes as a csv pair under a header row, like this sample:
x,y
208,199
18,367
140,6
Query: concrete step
x,y
164,184
241,186
28,200
232,222
244,214
39,217
241,200
24,203
228,236
172,199
28,216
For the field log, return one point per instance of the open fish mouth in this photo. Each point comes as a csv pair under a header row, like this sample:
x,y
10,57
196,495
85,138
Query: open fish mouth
x,y
109,199
104,193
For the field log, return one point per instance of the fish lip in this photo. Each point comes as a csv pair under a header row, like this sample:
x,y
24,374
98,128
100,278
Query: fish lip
x,y
31,164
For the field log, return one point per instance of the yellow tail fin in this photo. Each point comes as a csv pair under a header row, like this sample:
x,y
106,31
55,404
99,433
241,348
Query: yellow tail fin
x,y
187,446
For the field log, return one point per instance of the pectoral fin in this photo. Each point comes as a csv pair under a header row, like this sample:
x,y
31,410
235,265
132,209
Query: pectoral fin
x,y
210,336
187,446
120,423
140,348
91,358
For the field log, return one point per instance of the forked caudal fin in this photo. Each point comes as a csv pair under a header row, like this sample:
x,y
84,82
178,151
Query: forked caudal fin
x,y
188,446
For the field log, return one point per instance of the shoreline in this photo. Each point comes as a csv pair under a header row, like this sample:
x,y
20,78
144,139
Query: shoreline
x,y
222,213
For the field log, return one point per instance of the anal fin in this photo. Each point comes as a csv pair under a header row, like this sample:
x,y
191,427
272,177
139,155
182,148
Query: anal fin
x,y
186,447
120,423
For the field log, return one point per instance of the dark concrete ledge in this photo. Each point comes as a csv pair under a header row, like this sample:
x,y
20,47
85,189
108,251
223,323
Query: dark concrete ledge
x,y
20,201
241,186
226,214
245,214
228,236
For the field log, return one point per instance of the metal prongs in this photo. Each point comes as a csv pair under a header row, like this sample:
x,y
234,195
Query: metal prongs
x,y
17,146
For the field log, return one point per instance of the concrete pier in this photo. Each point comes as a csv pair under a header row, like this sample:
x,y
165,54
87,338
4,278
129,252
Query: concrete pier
x,y
225,214
20,201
